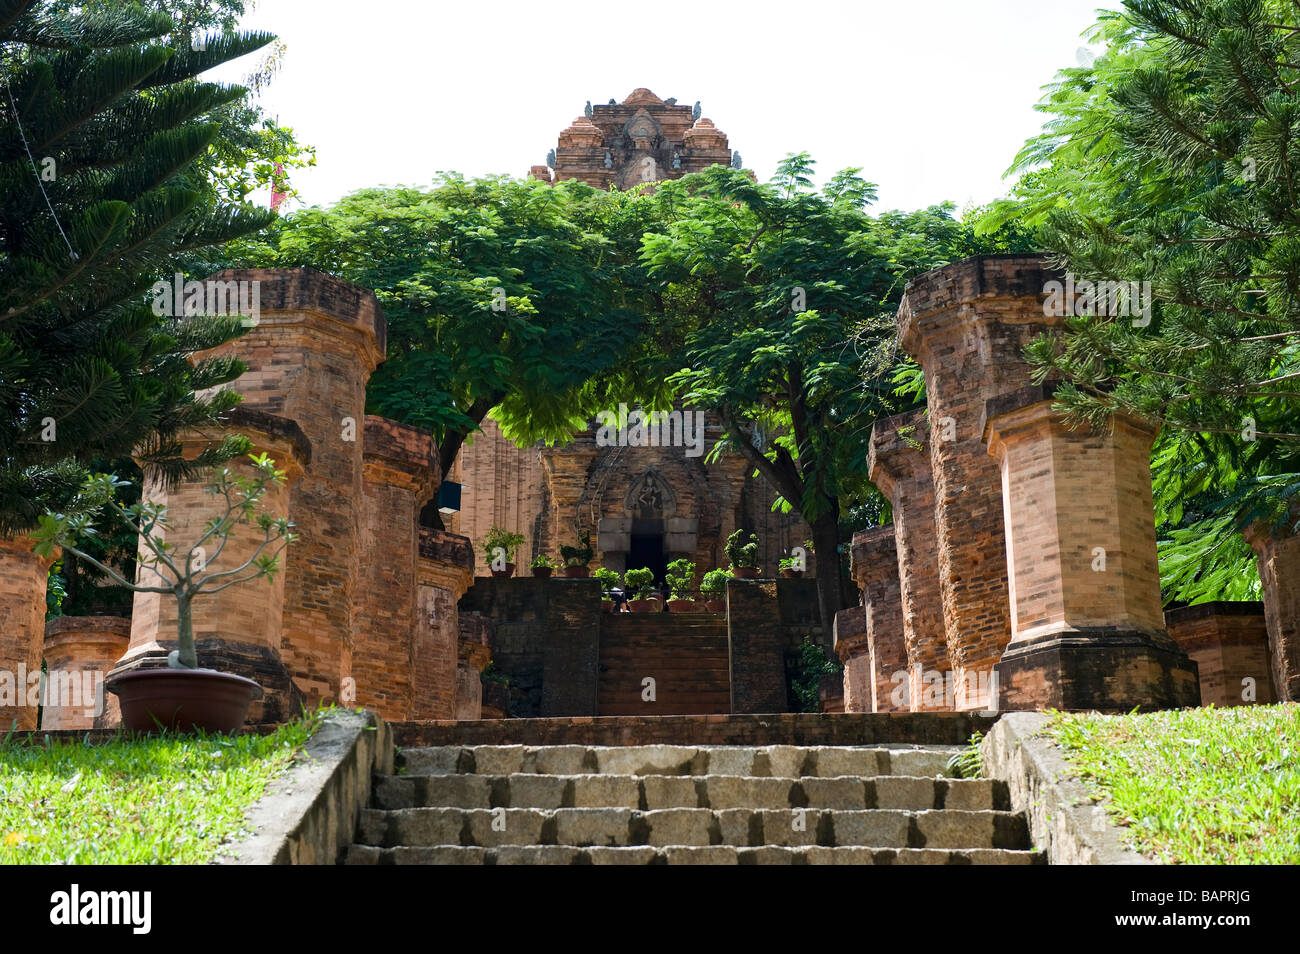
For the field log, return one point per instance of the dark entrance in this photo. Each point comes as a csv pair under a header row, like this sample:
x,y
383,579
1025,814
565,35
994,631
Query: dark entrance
x,y
647,550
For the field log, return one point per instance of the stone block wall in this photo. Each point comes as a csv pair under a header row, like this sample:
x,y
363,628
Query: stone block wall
x,y
1229,644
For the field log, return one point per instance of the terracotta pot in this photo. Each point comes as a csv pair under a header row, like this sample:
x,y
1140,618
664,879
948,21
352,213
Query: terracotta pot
x,y
577,572
543,572
644,606
792,574
715,606
507,572
683,606
183,700
608,604
744,572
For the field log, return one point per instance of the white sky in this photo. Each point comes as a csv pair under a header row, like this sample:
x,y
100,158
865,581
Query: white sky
x,y
931,97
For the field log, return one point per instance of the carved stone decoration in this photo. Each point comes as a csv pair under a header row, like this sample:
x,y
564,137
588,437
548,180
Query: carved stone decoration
x,y
651,496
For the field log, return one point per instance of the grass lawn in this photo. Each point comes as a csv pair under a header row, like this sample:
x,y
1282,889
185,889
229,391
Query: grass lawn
x,y
171,799
1199,786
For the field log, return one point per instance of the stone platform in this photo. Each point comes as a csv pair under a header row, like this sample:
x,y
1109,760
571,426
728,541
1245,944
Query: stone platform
x,y
789,728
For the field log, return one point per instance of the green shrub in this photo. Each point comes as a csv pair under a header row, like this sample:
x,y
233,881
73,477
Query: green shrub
x,y
714,584
741,552
640,583
681,579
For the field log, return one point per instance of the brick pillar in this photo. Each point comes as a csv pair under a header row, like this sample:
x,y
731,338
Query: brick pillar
x,y
895,687
399,475
755,647
22,630
899,464
79,652
854,650
236,629
830,692
474,652
1087,624
310,355
1279,572
967,325
570,646
1229,644
445,572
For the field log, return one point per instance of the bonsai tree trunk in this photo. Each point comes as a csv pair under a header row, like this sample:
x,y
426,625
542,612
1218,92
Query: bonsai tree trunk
x,y
186,655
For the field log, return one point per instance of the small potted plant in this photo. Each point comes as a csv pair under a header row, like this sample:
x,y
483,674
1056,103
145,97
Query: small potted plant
x,y
542,566
714,590
181,696
499,549
681,583
640,585
743,555
608,580
577,558
790,568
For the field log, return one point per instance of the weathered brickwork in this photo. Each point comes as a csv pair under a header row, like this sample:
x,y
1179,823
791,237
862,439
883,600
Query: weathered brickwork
x,y
84,649
1229,644
1084,585
895,685
852,646
445,570
399,475
756,647
639,141
22,628
967,325
474,653
1279,572
237,628
571,648
684,653
309,357
899,464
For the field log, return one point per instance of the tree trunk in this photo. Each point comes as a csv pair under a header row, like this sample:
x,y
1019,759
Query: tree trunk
x,y
186,655
830,585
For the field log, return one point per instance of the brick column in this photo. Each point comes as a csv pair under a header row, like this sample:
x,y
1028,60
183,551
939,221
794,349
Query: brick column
x,y
967,325
1087,624
474,654
1229,644
755,647
854,650
236,629
22,629
310,355
899,464
79,652
895,686
570,647
399,475
1279,572
445,572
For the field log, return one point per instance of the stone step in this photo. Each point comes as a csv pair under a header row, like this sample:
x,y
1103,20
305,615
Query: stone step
x,y
740,827
653,792
773,761
685,855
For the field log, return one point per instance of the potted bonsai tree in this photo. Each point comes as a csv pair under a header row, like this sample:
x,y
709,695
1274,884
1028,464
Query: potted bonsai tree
x,y
681,584
180,696
577,558
542,566
714,590
743,555
608,580
499,548
640,585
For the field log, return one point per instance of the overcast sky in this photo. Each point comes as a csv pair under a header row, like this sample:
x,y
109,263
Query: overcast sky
x,y
931,97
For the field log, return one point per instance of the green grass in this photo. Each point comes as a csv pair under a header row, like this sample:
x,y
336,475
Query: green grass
x,y
172,799
1196,786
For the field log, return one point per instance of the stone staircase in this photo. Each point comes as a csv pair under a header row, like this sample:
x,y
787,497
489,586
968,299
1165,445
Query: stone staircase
x,y
674,804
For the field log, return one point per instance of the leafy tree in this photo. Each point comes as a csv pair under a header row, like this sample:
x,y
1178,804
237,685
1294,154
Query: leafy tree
x,y
780,303
501,295
102,137
1173,159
